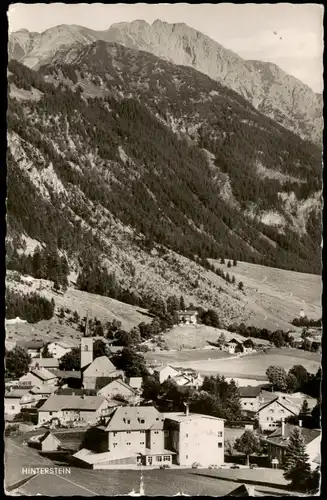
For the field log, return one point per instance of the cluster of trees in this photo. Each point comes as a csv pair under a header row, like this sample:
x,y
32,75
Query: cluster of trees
x,y
306,322
297,468
95,278
31,307
297,379
128,360
216,397
219,272
309,344
279,338
17,362
45,263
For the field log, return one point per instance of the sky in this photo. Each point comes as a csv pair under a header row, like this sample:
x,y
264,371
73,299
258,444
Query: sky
x,y
247,29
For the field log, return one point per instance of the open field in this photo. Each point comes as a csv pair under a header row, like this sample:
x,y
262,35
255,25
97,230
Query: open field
x,y
275,296
190,336
104,308
188,356
249,365
121,482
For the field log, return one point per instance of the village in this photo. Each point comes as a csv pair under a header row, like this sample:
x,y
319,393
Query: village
x,y
101,418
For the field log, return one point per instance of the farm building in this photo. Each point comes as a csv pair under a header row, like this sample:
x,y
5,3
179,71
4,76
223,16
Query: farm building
x,y
188,317
278,441
72,408
38,376
13,400
48,363
59,348
165,372
116,387
33,347
272,413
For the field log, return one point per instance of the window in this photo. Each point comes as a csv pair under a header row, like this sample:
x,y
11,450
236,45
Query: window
x,y
142,421
142,432
166,458
220,445
114,445
186,456
128,422
50,412
115,433
128,444
186,435
271,410
13,407
142,442
159,459
156,432
128,432
220,434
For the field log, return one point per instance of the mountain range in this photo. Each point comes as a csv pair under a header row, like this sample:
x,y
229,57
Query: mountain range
x,y
266,86
151,167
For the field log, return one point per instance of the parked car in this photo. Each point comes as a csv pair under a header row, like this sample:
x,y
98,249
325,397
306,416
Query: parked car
x,y
213,466
164,466
195,465
235,466
253,466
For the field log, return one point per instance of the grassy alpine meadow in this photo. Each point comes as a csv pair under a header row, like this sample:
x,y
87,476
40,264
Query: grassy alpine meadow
x,y
249,365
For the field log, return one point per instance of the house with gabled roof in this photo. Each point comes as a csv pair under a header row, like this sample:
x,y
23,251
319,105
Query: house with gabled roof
x,y
249,397
278,441
13,399
59,348
116,387
165,372
69,408
38,376
131,434
47,363
99,367
270,414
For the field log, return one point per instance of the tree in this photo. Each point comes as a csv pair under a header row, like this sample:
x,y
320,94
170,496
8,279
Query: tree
x,y
248,443
278,338
234,262
229,264
277,377
17,362
296,461
222,339
210,318
316,414
172,304
151,388
291,383
304,408
222,261
99,349
182,305
131,363
301,375
71,360
241,286
158,307
233,280
46,353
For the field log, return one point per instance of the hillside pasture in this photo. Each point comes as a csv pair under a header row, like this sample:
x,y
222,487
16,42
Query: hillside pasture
x,y
274,297
252,365
197,336
103,308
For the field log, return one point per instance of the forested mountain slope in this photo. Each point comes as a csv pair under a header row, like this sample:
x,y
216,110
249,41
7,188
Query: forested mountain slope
x,y
108,159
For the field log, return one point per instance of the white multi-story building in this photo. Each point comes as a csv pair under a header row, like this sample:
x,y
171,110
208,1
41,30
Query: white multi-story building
x,y
195,438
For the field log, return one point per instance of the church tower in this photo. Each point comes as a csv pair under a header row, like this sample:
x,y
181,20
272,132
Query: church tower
x,y
86,347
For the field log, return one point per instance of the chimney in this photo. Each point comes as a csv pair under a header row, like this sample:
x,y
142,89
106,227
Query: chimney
x,y
283,427
187,409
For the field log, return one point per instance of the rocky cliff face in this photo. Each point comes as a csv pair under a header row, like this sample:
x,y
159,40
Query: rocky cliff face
x,y
275,93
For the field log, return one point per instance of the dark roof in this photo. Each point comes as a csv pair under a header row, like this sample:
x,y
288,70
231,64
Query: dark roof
x,y
249,391
31,344
68,391
277,438
66,373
